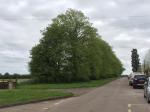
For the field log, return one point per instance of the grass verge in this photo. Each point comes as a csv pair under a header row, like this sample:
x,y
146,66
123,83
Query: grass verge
x,y
37,92
9,97
94,83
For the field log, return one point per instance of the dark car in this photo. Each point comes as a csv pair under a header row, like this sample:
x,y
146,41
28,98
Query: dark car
x,y
138,81
147,90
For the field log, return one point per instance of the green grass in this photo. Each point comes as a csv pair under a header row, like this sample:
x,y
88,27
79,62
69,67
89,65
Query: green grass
x,y
94,83
32,92
26,95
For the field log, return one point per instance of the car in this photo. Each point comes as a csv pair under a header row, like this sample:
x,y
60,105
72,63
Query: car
x,y
147,90
138,81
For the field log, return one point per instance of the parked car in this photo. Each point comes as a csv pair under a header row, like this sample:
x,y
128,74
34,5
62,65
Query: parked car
x,y
147,90
138,81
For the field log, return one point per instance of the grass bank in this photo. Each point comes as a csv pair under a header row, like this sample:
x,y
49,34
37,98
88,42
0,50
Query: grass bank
x,y
8,97
93,83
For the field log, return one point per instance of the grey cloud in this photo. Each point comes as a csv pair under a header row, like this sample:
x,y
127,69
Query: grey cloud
x,y
21,22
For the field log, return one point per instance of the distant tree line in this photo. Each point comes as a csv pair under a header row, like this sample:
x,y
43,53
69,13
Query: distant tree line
x,y
14,76
72,50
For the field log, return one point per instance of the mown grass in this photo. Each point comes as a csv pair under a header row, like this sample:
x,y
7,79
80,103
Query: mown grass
x,y
93,83
31,92
8,97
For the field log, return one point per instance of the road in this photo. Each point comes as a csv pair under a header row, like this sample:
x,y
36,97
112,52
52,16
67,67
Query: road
x,y
116,96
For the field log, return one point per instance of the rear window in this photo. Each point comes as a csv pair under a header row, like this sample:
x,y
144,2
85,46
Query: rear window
x,y
139,76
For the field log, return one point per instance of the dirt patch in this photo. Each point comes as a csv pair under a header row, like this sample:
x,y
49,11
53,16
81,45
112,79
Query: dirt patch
x,y
79,91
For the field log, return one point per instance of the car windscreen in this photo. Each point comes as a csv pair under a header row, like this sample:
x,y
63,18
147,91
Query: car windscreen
x,y
139,76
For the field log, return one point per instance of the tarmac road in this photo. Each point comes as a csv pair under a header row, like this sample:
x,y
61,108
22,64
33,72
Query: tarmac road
x,y
116,96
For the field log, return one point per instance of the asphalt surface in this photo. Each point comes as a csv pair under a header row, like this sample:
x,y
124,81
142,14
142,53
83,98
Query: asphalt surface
x,y
116,96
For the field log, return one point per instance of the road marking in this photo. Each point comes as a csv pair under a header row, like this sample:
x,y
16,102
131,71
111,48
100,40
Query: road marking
x,y
129,110
45,108
59,102
129,105
63,101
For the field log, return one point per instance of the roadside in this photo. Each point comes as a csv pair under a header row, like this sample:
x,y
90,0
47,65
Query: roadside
x,y
93,83
18,97
116,96
25,94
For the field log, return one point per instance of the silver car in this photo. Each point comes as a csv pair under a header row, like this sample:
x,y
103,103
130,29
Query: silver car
x,y
147,90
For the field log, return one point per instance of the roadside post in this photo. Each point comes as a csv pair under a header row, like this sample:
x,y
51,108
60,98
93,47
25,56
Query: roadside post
x,y
10,85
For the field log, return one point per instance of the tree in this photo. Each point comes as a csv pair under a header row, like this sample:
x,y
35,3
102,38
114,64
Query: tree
x,y
1,75
135,60
71,50
146,63
6,75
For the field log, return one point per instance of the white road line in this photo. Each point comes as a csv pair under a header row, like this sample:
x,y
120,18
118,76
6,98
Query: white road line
x,y
59,102
129,110
62,101
45,108
129,105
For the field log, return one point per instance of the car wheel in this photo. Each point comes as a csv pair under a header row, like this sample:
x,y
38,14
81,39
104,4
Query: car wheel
x,y
129,84
148,100
144,95
134,87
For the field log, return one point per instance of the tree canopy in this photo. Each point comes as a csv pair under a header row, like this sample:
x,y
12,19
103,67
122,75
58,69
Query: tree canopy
x,y
71,50
146,63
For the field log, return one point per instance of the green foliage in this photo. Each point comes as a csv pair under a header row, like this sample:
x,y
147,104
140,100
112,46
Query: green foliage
x,y
135,60
146,63
71,50
14,76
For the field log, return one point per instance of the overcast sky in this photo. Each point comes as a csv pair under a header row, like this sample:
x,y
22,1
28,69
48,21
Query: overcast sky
x,y
124,24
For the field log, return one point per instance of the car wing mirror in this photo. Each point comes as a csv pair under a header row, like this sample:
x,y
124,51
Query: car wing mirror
x,y
145,83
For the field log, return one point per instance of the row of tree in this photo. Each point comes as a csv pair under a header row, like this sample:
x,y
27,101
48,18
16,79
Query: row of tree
x,y
146,63
72,50
14,76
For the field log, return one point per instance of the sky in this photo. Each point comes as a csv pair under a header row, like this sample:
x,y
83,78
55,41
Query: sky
x,y
124,24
